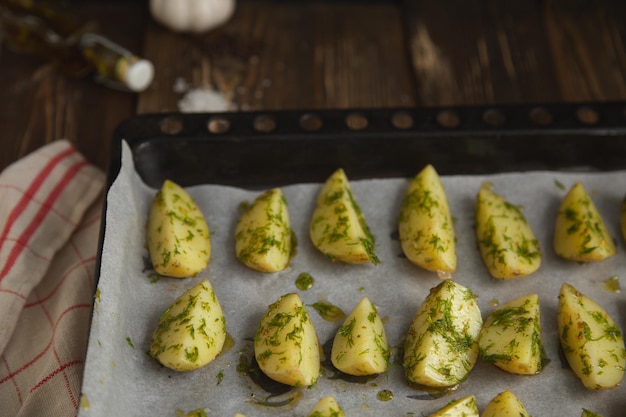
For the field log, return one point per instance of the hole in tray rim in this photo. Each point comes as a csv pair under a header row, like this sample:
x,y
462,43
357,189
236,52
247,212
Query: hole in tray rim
x,y
356,121
171,125
311,122
264,123
218,125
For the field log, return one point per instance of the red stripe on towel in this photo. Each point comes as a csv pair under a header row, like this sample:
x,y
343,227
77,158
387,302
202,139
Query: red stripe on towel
x,y
44,209
30,192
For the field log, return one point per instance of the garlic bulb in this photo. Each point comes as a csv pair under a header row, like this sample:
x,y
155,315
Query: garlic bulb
x,y
195,16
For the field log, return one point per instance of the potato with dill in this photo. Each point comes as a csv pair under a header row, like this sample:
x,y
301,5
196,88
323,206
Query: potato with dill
x,y
191,332
263,237
511,337
286,345
441,346
580,234
178,235
592,343
425,224
505,404
463,407
338,228
326,407
360,345
507,244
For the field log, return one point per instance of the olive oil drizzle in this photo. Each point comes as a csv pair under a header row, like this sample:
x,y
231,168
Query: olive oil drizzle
x,y
305,281
328,311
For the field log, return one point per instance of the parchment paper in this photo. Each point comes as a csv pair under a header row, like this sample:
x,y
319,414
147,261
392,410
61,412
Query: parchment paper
x,y
122,380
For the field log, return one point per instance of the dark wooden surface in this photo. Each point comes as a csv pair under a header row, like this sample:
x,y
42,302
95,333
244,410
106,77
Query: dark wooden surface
x,y
275,55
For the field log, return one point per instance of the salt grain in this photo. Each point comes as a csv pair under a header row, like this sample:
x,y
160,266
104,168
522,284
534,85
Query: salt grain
x,y
180,85
201,100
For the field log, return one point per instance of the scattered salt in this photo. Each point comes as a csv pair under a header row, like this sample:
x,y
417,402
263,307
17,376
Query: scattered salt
x,y
180,85
201,100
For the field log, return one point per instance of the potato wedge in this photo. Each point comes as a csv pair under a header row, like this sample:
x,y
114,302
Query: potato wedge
x,y
178,236
360,346
338,228
326,407
286,345
593,344
263,236
441,346
192,331
464,407
511,337
580,234
425,224
505,404
507,244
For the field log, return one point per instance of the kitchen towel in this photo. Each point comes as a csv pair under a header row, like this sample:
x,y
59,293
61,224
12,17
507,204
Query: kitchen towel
x,y
50,211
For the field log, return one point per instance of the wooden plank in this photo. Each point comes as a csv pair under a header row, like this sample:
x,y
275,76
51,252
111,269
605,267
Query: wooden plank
x,y
467,53
42,105
284,55
588,41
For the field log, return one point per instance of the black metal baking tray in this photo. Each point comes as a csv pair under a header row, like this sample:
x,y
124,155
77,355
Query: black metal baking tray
x,y
263,149
259,149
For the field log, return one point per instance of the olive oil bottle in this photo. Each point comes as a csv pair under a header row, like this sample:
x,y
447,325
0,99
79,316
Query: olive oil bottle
x,y
72,45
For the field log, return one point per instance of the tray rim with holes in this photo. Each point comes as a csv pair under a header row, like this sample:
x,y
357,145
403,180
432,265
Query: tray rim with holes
x,y
559,134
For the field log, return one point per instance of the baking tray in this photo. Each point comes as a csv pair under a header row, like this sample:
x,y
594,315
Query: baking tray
x,y
259,150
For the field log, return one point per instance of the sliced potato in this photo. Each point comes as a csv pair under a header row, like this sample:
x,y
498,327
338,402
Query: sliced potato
x,y
360,346
338,228
425,224
263,236
593,344
441,346
580,234
286,345
192,331
464,407
326,407
505,404
511,337
178,236
507,244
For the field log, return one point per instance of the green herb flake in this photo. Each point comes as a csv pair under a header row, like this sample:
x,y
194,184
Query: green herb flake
x,y
559,185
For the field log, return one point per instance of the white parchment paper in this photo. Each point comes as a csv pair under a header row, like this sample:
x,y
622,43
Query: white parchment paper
x,y
122,380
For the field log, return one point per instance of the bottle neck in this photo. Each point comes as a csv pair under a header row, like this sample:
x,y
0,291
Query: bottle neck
x,y
116,66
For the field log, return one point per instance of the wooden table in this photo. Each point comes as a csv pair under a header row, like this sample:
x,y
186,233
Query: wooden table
x,y
279,55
